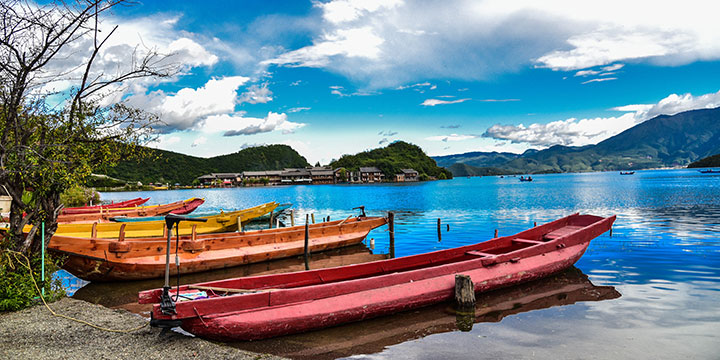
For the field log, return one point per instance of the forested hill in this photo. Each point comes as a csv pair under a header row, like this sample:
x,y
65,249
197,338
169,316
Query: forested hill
x,y
171,167
392,158
711,161
663,141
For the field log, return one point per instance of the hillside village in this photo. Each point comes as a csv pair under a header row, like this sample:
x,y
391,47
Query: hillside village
x,y
308,175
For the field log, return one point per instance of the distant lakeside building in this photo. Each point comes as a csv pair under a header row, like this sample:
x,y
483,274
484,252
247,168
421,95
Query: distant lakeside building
x,y
308,175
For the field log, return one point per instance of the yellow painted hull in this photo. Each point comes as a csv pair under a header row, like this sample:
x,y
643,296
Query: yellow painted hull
x,y
223,222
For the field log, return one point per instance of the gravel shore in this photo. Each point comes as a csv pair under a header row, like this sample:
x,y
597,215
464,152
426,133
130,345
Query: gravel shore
x,y
35,333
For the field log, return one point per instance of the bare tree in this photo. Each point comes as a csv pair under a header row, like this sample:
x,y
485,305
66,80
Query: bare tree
x,y
48,145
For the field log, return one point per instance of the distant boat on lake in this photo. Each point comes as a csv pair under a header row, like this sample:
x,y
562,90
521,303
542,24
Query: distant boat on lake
x,y
529,178
709,171
627,172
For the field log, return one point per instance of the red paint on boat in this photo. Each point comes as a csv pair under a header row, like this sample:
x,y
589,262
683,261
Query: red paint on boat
x,y
96,208
282,304
188,207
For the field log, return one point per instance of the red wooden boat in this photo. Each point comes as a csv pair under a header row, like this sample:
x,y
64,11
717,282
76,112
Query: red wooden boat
x,y
97,208
266,306
101,215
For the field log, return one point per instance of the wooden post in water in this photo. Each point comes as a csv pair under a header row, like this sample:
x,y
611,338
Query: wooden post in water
x,y
464,292
328,219
611,231
313,217
448,227
438,230
496,233
534,223
292,217
307,242
391,231
272,214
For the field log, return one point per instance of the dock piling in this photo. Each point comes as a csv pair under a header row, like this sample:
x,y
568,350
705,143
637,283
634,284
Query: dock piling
x,y
496,233
438,230
292,217
313,217
464,292
272,214
307,242
391,231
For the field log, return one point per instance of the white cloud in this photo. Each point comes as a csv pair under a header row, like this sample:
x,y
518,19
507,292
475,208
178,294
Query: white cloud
x,y
451,137
298,109
579,132
433,102
392,43
238,124
256,95
599,80
188,106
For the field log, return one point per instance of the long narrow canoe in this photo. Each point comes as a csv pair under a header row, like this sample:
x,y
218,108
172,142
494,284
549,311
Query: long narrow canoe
x,y
222,222
104,215
279,209
98,208
144,258
266,306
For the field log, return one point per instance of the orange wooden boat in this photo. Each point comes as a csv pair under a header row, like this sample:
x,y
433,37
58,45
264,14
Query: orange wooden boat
x,y
144,258
104,215
97,208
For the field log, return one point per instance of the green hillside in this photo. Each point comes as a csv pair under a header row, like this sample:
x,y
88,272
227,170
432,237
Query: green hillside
x,y
390,159
711,161
171,167
459,169
476,159
663,141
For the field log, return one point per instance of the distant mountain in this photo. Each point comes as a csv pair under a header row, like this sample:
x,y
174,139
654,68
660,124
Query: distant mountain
x,y
392,158
477,159
171,167
460,169
663,141
712,161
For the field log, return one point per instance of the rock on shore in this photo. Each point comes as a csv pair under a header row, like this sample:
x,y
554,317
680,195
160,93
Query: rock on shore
x,y
35,333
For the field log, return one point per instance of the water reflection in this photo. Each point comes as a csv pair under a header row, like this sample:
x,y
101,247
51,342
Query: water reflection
x,y
372,336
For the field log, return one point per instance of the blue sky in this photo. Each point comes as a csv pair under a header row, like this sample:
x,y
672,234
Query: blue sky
x,y
338,77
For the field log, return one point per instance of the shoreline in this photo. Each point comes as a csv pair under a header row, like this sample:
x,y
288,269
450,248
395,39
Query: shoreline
x,y
35,333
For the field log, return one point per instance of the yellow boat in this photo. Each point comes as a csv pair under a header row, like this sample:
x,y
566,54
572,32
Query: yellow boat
x,y
222,222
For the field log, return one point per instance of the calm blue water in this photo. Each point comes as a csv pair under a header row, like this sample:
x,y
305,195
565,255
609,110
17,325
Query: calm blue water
x,y
663,257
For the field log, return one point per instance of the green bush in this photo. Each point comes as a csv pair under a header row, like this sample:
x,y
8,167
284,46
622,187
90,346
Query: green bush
x,y
79,196
17,290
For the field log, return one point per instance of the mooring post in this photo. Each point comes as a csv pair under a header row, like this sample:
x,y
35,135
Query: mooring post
x,y
464,292
272,214
465,299
438,230
328,218
313,217
391,231
496,233
611,231
534,223
292,217
448,227
307,241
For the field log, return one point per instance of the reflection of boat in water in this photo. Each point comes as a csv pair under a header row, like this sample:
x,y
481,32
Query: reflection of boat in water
x,y
371,336
627,172
124,294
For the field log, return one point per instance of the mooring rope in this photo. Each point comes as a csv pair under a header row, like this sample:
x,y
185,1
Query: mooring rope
x,y
29,267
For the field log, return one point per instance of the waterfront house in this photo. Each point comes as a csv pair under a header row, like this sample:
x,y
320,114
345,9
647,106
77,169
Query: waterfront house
x,y
322,175
295,176
409,175
371,174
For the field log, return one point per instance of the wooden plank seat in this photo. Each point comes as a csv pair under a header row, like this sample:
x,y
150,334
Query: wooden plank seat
x,y
561,232
527,241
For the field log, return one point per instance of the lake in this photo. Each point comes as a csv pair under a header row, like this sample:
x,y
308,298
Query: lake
x,y
649,291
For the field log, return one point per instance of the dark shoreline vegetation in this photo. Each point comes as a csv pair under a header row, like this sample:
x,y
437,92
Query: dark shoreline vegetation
x,y
166,167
